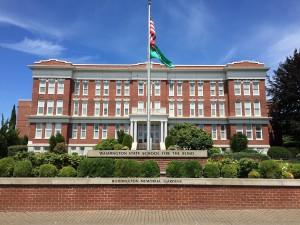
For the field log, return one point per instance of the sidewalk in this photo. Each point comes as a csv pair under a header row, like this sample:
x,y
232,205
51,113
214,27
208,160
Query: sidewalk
x,y
142,217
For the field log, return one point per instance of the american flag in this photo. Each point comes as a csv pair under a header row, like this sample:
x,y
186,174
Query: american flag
x,y
152,33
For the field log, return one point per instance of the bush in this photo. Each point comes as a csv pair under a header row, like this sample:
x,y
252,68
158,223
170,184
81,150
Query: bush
x,y
174,147
60,148
246,165
127,168
254,174
255,156
67,171
118,147
96,167
125,148
213,151
47,170
229,170
287,175
23,169
298,156
294,151
174,169
169,141
6,166
150,168
238,142
277,152
295,170
211,170
107,144
270,169
52,143
192,169
14,149
120,135
127,141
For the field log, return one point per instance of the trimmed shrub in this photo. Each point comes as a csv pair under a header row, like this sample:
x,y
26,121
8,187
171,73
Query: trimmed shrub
x,y
60,148
255,156
213,151
120,135
67,171
246,165
23,169
6,167
107,144
14,149
270,169
150,168
127,141
169,141
127,168
47,170
174,169
118,147
125,148
174,147
192,169
52,143
294,151
254,174
59,138
35,171
277,152
211,170
238,142
96,167
295,170
287,175
229,170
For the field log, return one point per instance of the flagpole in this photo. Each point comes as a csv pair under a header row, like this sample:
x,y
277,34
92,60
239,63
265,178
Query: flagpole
x,y
148,82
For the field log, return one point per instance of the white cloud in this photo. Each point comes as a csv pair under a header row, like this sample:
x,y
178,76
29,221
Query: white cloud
x,y
35,47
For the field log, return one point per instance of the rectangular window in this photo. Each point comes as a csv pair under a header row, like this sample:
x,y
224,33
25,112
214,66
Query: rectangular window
x,y
141,106
117,128
214,132
48,130
126,128
237,87
84,108
97,109
221,109
141,88
213,108
106,88
75,108
96,131
105,108
221,88
41,107
246,86
77,87
255,86
238,109
171,88
38,131
249,131
247,106
118,88
126,108
157,88
83,131
239,129
60,87
257,108
42,87
179,108
258,132
104,132
192,88
179,88
85,86
58,128
50,106
157,106
200,88
223,132
51,86
200,109
127,88
97,88
212,88
74,130
118,108
59,107
192,109
171,109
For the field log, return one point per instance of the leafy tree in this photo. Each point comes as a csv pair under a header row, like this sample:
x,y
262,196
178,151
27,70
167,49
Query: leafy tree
x,y
285,96
238,142
54,140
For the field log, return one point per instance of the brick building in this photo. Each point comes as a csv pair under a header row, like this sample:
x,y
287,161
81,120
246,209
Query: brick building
x,y
90,102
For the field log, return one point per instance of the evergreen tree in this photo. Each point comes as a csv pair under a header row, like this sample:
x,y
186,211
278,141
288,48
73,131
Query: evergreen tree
x,y
13,119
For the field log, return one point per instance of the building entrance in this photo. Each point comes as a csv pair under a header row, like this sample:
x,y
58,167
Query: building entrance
x,y
142,133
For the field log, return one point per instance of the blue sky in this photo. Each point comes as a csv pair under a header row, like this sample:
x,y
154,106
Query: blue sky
x,y
115,31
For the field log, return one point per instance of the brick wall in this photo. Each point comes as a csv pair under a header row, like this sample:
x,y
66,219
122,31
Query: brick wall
x,y
24,110
117,197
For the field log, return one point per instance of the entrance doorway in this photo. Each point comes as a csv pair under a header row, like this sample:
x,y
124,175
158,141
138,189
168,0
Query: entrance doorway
x,y
142,133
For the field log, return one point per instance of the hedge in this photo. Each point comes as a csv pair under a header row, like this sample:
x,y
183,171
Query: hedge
x,y
7,167
174,169
22,169
127,168
270,169
192,169
278,152
67,171
211,170
150,168
47,170
14,149
96,167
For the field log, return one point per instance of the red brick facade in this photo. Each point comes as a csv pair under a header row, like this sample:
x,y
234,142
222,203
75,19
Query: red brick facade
x,y
24,110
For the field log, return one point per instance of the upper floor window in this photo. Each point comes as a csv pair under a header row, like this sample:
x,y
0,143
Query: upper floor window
x,y
192,88
179,108
126,108
200,109
141,88
42,86
246,87
98,88
157,88
255,86
118,88
157,106
50,107
221,109
257,108
77,87
51,86
97,109
221,88
237,87
213,108
59,107
192,109
84,108
140,106
171,88
238,109
127,88
60,87
247,106
83,131
171,109
179,88
212,88
41,107
106,88
38,131
85,86
200,88
118,108
105,108
214,132
75,108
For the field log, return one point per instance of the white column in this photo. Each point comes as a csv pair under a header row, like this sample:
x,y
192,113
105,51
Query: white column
x,y
166,129
135,131
131,128
161,131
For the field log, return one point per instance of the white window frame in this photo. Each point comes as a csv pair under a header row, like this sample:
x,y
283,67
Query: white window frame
x,y
192,88
221,88
50,105
77,87
97,88
41,107
57,128
97,108
126,108
104,132
222,109
171,109
75,108
192,109
238,108
106,88
200,88
171,88
212,88
258,131
48,130
84,108
141,87
237,87
96,131
38,131
85,87
246,88
74,131
157,88
118,108
200,109
141,106
179,88
213,109
127,88
83,131
247,108
255,88
239,128
60,86
105,108
59,107
179,109
157,106
42,86
257,110
249,130
118,88
223,132
117,128
214,132
51,86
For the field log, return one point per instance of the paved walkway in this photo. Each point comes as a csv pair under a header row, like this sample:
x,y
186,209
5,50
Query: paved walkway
x,y
142,217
